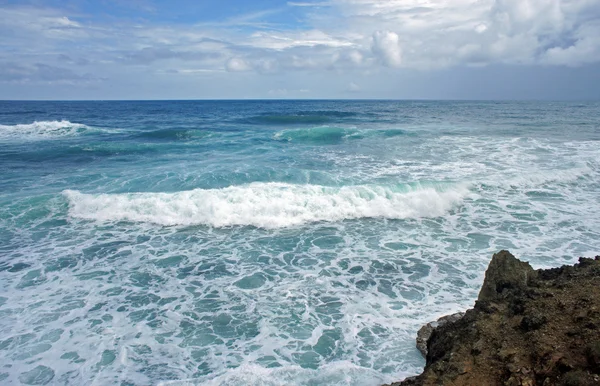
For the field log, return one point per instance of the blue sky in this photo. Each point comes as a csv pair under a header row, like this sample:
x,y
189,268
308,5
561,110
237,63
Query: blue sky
x,y
399,49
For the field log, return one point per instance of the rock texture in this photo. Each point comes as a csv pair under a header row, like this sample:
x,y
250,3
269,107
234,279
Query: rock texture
x,y
426,331
527,328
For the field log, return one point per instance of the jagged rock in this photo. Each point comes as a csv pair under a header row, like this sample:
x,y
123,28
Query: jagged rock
x,y
425,332
527,328
504,275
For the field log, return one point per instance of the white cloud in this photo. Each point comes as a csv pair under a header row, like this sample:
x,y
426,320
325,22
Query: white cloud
x,y
237,65
355,57
353,87
193,71
439,33
481,28
286,40
266,65
586,49
39,73
28,25
386,46
342,37
350,59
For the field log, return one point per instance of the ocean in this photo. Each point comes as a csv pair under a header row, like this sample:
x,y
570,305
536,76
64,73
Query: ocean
x,y
271,242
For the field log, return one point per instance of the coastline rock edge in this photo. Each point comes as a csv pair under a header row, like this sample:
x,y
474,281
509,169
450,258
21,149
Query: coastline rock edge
x,y
528,327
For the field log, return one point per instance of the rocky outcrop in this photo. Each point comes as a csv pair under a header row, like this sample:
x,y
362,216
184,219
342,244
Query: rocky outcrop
x,y
425,332
506,275
528,327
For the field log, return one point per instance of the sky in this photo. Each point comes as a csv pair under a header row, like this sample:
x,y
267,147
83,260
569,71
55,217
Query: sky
x,y
304,49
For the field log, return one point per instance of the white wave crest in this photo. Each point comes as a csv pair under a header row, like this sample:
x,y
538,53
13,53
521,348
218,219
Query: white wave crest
x,y
266,205
42,130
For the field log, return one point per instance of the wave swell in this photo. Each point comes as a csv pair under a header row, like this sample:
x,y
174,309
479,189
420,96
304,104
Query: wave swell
x,y
322,134
333,134
288,119
267,205
173,134
42,130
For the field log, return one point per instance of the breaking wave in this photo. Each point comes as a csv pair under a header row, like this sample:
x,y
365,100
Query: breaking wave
x,y
42,130
268,205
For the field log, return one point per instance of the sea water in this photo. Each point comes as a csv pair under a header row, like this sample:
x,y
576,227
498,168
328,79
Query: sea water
x,y
271,242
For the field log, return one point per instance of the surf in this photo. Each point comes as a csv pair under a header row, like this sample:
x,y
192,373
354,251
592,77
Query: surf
x,y
43,130
267,205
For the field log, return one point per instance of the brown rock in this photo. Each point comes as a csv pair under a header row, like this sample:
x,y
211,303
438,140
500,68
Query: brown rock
x,y
527,328
425,332
505,274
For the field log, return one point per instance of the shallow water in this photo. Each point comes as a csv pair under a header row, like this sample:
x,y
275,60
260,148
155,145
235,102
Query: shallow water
x,y
269,242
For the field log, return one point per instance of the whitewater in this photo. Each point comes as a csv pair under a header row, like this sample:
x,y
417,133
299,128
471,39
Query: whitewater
x,y
266,205
271,242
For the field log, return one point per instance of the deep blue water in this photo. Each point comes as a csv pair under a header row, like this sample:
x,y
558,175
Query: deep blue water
x,y
271,242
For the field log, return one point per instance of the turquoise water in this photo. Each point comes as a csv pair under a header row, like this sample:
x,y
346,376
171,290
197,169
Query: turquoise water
x,y
270,242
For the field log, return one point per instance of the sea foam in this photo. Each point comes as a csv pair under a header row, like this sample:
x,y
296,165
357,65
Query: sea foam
x,y
337,373
267,205
42,130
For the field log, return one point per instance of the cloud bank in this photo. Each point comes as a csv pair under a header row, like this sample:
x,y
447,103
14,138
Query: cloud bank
x,y
348,37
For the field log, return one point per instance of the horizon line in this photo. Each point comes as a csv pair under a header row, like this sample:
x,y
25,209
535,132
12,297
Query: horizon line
x,y
309,99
